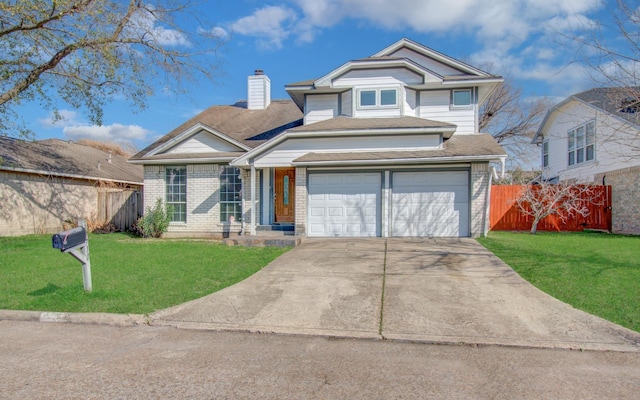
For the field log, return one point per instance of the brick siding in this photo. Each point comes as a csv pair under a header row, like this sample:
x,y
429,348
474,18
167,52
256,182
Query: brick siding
x,y
625,198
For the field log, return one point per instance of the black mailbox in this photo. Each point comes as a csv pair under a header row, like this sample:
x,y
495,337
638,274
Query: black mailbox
x,y
69,239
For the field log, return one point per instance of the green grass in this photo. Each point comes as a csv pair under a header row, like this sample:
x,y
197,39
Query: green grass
x,y
595,272
129,275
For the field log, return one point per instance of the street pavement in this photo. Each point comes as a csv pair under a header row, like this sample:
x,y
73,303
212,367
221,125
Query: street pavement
x,y
41,360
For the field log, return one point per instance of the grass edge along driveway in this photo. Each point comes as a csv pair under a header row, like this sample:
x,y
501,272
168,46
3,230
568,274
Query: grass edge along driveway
x,y
129,275
595,272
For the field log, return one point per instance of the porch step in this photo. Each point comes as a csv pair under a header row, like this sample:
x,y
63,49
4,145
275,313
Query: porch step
x,y
275,230
263,241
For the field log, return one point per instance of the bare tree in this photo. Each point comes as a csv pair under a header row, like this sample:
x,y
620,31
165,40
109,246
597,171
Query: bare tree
x,y
513,120
563,200
86,52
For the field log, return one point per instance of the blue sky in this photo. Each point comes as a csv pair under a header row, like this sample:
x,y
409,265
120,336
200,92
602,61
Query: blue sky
x,y
294,40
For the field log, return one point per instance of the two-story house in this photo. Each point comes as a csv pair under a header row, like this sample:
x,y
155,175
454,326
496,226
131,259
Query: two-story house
x,y
382,146
594,137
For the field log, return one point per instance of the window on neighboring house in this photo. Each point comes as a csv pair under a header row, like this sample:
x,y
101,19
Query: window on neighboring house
x,y
581,143
371,98
230,194
545,154
461,98
176,184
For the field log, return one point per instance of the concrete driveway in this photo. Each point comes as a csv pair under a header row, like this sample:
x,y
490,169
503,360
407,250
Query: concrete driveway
x,y
425,290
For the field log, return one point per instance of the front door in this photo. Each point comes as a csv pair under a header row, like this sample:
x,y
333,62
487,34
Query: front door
x,y
284,194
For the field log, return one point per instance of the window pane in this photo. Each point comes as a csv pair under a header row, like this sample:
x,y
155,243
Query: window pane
x,y
545,160
176,192
388,97
591,133
230,194
572,140
367,97
461,97
580,155
580,137
572,158
589,152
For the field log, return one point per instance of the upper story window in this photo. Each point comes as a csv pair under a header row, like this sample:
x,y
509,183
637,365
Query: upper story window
x,y
581,143
461,98
373,98
545,154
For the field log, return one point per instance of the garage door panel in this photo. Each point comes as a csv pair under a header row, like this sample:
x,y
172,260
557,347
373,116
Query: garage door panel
x,y
350,204
430,203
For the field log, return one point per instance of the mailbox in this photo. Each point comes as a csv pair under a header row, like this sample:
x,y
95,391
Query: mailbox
x,y
69,239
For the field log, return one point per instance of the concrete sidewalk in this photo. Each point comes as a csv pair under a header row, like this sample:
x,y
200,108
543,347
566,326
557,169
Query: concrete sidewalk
x,y
423,290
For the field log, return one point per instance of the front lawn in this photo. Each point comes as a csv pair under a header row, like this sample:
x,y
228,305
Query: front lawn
x,y
595,272
130,275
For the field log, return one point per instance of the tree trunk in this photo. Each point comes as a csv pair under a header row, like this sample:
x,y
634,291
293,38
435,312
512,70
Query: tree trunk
x,y
534,225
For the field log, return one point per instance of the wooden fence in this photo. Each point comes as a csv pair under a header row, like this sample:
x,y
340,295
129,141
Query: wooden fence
x,y
505,215
121,208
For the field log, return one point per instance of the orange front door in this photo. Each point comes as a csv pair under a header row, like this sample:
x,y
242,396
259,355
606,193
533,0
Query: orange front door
x,y
284,194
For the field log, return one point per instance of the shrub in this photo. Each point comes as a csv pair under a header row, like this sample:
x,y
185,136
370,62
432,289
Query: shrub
x,y
155,220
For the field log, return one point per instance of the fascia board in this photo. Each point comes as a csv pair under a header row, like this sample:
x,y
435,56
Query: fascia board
x,y
396,161
192,131
182,161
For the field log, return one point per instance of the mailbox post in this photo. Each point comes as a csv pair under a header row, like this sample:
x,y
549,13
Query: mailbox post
x,y
76,242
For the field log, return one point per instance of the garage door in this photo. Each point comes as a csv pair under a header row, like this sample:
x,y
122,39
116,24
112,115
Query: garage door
x,y
344,204
430,204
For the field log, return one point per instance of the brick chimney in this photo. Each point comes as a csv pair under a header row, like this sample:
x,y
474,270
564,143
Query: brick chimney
x,y
259,91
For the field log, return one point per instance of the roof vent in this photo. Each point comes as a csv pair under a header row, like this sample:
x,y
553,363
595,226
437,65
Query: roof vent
x,y
258,91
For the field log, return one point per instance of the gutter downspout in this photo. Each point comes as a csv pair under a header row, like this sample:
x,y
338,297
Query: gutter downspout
x,y
252,224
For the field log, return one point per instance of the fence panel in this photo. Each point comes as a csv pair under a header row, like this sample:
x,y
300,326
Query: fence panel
x,y
505,215
121,208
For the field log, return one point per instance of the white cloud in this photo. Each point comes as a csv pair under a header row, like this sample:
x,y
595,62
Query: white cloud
x,y
145,24
271,25
117,133
60,119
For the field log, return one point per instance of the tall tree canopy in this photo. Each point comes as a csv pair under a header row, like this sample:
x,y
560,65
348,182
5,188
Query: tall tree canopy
x,y
86,52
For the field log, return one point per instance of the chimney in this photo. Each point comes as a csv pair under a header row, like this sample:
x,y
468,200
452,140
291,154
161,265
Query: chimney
x,y
259,91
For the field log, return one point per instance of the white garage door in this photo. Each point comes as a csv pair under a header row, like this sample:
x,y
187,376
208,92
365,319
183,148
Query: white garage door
x,y
344,204
430,204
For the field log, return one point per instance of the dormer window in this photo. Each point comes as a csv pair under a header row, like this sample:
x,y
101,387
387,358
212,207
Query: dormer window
x,y
378,98
461,98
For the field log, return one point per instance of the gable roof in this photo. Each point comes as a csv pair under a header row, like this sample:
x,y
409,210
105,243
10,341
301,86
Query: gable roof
x,y
453,72
612,100
66,159
235,123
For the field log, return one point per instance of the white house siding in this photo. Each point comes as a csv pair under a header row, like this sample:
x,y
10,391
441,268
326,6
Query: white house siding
x,y
377,78
346,102
291,149
616,147
480,196
319,107
426,62
435,105
33,204
410,106
203,142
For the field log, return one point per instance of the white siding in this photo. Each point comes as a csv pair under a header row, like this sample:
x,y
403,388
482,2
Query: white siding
x,y
616,145
426,62
378,112
203,142
410,106
435,105
319,107
291,149
378,77
347,103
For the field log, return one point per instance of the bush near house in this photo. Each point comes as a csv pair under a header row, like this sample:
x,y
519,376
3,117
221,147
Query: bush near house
x,y
594,272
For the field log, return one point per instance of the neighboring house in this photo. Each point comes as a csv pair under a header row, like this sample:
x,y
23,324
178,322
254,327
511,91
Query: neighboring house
x,y
594,137
381,146
48,183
